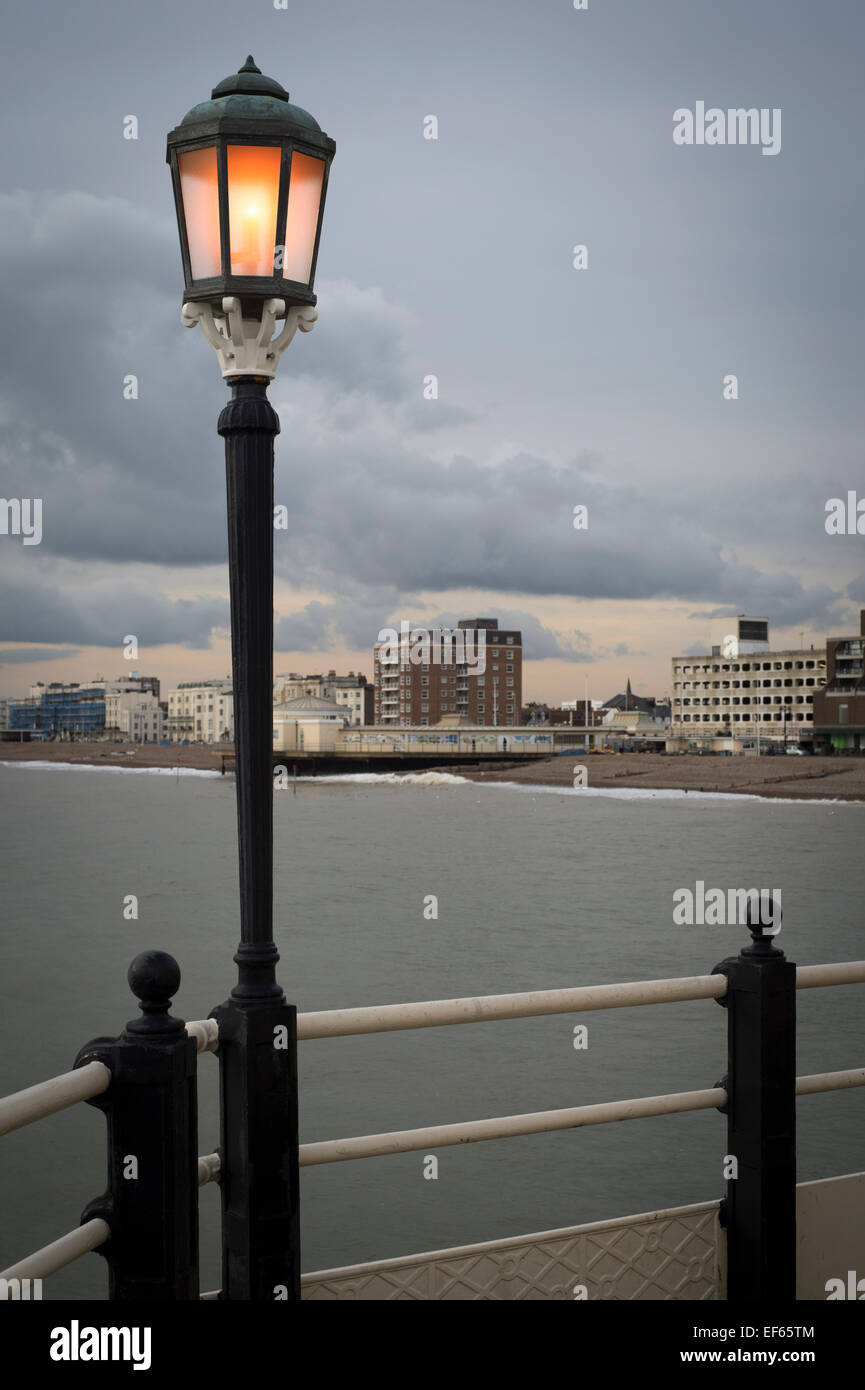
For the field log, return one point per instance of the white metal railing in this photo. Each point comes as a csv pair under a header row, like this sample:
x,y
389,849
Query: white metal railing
x,y
46,1098
507,1126
89,1236
208,1169
383,1018
60,1252
546,1121
60,1092
205,1031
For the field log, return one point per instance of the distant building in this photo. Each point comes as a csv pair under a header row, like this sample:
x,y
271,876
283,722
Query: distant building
x,y
743,689
578,713
629,703
133,716
353,692
409,694
839,707
308,724
70,710
201,712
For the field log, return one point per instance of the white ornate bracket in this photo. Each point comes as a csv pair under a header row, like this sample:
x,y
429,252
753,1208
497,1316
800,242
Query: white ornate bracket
x,y
246,347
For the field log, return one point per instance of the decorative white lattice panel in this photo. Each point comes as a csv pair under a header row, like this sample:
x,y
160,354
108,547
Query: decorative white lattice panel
x,y
660,1255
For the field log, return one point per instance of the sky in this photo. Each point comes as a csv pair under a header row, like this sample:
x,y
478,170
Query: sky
x,y
558,387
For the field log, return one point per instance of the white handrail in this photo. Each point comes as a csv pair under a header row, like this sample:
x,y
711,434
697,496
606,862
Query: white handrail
x,y
208,1169
46,1098
205,1031
829,1081
60,1252
383,1018
507,1126
545,1121
433,1013
845,972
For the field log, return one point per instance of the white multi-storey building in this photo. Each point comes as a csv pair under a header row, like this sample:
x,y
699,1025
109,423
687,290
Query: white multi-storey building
x,y
201,712
745,690
347,691
130,714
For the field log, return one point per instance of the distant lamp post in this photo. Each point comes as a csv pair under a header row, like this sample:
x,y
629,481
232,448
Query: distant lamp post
x,y
249,171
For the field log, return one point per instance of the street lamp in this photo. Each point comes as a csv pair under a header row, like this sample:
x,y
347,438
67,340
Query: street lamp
x,y
249,171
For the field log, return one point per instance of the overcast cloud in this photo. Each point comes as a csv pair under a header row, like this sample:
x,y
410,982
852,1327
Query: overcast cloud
x,y
448,257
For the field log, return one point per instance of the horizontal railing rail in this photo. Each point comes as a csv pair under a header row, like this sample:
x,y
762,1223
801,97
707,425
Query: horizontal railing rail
x,y
61,1252
548,1121
48,1097
70,1087
89,1236
434,1013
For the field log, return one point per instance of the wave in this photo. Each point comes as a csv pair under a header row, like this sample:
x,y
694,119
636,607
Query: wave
x,y
449,779
445,779
44,765
669,794
395,779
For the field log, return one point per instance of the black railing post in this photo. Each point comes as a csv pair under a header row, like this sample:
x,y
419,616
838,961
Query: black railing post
x,y
759,1211
151,1203
257,1028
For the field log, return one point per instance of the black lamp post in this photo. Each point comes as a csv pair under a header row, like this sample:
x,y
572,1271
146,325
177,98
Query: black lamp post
x,y
249,171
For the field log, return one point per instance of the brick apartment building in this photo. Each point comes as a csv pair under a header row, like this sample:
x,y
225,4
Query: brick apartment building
x,y
489,691
839,707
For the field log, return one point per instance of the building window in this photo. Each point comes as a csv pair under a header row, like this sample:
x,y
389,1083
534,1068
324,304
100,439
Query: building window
x,y
843,714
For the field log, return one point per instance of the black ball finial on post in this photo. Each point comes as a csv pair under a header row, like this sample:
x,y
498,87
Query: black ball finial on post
x,y
763,929
151,1203
154,978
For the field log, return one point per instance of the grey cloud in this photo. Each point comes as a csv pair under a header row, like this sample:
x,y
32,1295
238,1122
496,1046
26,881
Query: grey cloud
x,y
355,621
102,614
13,656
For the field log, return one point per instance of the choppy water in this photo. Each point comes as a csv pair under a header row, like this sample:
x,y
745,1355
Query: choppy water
x,y
536,888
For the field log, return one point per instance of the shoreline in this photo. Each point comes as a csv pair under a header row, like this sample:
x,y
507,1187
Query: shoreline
x,y
781,777
809,779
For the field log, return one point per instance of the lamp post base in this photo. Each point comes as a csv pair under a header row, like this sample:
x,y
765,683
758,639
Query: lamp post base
x,y
259,1152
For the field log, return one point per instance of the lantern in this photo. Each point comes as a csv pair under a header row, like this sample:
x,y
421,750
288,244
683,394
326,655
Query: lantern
x,y
249,171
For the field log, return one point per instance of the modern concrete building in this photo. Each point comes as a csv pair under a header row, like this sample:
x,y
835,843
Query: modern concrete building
x,y
839,707
487,691
201,712
743,690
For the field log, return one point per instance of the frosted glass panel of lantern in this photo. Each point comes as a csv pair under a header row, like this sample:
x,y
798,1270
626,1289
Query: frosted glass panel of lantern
x,y
198,185
304,196
253,190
